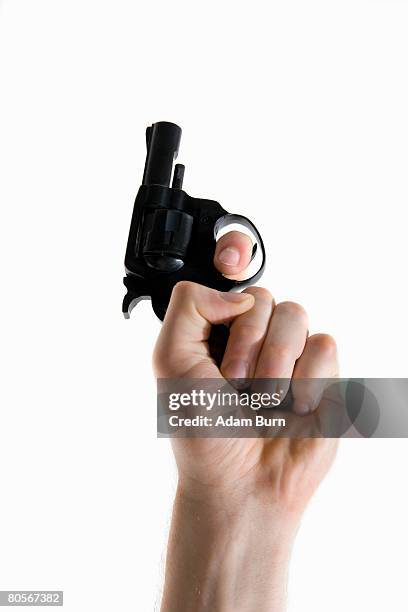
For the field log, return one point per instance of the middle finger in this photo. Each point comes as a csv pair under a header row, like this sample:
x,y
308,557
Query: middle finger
x,y
284,342
247,334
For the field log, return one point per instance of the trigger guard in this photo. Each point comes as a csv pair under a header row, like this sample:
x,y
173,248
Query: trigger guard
x,y
230,218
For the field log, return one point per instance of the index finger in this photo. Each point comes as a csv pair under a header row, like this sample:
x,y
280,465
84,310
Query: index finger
x,y
233,253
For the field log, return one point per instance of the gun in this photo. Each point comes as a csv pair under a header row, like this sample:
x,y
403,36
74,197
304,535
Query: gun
x,y
172,235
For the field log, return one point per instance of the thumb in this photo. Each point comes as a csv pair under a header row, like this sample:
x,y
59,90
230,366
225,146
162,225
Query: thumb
x,y
182,342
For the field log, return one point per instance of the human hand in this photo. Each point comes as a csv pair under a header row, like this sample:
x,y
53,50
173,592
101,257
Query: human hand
x,y
266,341
239,483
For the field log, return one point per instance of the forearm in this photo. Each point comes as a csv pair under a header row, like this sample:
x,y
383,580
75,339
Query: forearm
x,y
226,557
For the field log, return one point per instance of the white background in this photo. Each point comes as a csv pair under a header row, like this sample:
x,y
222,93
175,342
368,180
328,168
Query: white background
x,y
293,113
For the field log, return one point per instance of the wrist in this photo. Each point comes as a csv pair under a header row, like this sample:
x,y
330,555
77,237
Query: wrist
x,y
244,500
227,555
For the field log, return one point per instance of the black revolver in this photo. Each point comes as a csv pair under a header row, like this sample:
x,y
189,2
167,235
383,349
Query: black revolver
x,y
172,236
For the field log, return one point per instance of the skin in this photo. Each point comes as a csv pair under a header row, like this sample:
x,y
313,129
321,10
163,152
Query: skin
x,y
239,501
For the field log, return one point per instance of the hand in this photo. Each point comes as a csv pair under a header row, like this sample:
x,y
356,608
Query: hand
x,y
254,488
266,341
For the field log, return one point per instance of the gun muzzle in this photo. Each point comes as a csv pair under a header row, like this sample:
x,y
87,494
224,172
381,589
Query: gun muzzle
x,y
163,141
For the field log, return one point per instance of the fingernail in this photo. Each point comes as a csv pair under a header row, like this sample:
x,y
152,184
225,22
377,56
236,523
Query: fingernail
x,y
229,296
237,368
229,256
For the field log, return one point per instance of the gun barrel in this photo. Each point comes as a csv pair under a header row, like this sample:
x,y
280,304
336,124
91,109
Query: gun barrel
x,y
163,141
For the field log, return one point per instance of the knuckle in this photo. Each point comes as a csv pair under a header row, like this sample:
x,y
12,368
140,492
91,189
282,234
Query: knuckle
x,y
323,343
294,310
281,353
246,333
260,293
184,289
